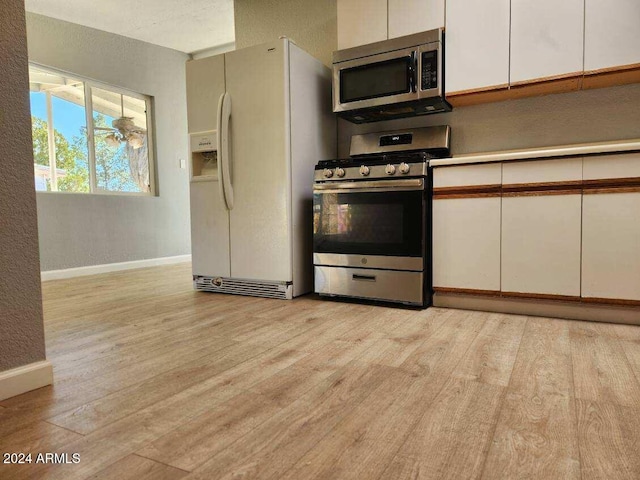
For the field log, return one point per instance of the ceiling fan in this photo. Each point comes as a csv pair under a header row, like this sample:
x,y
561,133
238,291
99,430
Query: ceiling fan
x,y
123,130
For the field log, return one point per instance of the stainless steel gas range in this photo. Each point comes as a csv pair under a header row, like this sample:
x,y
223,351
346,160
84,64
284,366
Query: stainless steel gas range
x,y
372,217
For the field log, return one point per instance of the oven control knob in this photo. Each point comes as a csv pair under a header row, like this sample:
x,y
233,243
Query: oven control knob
x,y
364,170
404,168
390,169
340,172
328,173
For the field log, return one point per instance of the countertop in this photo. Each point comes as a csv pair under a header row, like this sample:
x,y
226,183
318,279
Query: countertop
x,y
618,146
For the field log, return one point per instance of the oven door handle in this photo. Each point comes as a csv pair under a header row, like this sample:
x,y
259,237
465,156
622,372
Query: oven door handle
x,y
375,186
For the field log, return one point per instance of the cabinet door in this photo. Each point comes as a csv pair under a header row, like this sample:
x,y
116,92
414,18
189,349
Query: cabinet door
x,y
361,22
413,16
466,243
612,33
466,231
611,246
477,44
541,244
205,84
546,38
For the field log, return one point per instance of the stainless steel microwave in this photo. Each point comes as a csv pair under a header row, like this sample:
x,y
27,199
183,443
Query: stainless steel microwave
x,y
401,77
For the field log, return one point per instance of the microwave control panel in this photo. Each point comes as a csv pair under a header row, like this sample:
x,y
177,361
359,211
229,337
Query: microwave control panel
x,y
429,73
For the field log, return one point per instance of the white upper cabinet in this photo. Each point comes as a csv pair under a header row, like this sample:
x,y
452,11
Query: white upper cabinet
x,y
612,33
413,16
546,38
477,44
361,22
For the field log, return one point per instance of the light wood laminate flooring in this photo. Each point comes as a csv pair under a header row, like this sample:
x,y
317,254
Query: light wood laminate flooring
x,y
156,381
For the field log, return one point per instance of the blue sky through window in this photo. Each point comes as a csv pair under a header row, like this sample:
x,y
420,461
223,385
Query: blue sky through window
x,y
67,116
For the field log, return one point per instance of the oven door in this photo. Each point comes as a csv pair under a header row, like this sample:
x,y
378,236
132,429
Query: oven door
x,y
370,224
376,80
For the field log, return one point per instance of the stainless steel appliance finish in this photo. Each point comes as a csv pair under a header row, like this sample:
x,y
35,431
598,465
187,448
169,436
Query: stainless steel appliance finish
x,y
338,175
394,78
372,217
369,261
433,139
385,285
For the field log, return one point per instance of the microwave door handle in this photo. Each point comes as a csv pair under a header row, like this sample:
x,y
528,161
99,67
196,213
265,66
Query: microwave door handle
x,y
413,72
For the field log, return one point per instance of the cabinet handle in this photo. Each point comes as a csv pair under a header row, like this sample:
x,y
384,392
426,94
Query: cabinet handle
x,y
364,278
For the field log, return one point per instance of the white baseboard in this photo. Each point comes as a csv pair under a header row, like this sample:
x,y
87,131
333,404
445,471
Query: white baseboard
x,y
26,378
111,267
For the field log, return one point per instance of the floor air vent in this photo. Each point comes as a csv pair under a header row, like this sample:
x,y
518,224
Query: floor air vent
x,y
243,287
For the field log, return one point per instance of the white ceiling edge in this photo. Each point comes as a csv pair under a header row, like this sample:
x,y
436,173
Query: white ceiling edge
x,y
209,52
190,26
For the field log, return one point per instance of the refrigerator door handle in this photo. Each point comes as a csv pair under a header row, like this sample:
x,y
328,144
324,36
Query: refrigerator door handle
x,y
219,142
224,152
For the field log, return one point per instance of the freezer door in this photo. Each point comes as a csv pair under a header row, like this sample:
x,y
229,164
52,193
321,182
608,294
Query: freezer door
x,y
205,84
259,164
209,231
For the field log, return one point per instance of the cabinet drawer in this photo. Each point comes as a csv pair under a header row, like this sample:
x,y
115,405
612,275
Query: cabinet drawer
x,y
369,283
467,175
612,166
542,171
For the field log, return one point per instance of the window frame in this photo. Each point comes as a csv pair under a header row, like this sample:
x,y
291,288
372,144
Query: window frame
x,y
88,84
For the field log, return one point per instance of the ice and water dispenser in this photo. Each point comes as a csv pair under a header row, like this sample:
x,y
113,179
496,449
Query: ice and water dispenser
x,y
204,156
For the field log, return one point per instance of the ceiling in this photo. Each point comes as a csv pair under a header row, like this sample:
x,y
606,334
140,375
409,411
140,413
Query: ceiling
x,y
186,25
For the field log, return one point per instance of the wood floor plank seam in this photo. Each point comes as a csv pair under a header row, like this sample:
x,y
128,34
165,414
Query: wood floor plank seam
x,y
162,463
257,353
575,408
63,427
502,401
440,390
228,386
354,361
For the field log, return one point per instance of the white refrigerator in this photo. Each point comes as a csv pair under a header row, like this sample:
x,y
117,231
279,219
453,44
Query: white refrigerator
x,y
259,120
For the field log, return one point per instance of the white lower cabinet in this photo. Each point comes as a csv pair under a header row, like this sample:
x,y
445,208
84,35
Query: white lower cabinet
x,y
611,246
541,244
466,243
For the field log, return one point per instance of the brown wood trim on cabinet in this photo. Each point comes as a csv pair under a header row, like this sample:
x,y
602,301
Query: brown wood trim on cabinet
x,y
453,196
611,185
596,191
612,301
546,86
542,193
606,77
465,98
537,296
467,291
541,296
609,77
542,188
467,191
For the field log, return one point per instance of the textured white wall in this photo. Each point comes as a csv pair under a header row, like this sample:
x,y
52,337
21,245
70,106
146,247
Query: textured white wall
x,y
21,330
84,229
311,24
